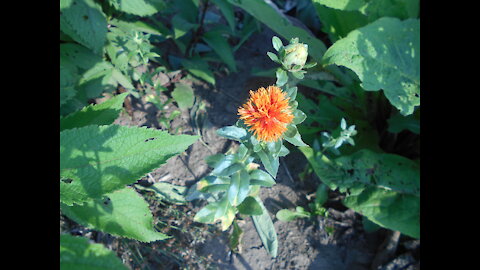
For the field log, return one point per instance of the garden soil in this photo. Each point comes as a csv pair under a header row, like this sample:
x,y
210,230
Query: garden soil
x,y
338,242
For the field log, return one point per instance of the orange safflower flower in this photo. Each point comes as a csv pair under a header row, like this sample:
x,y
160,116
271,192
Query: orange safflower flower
x,y
267,113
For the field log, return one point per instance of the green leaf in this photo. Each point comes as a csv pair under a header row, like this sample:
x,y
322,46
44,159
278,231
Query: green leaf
x,y
206,214
220,45
270,162
183,95
385,55
383,187
287,215
95,160
342,4
140,26
265,229
85,22
299,117
397,123
124,213
138,7
199,68
239,187
273,57
168,192
292,136
68,80
78,253
181,26
259,177
227,10
277,43
100,114
232,133
234,238
250,207
282,77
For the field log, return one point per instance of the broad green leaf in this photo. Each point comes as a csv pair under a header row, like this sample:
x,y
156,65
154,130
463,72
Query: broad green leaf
x,y
232,133
167,192
265,229
95,160
250,207
206,214
299,117
239,187
225,213
383,187
213,184
100,114
183,95
138,7
220,45
122,213
78,253
385,55
85,22
375,9
269,162
282,77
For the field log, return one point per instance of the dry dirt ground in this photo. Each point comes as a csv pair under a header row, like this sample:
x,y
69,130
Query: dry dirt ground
x,y
302,244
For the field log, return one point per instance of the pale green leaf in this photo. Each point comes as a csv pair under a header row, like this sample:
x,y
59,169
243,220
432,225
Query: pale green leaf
x,y
183,95
265,229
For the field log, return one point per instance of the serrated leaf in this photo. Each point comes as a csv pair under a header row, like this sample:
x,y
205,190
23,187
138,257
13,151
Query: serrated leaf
x,y
100,114
265,229
96,160
183,95
385,55
383,187
125,213
85,22
78,253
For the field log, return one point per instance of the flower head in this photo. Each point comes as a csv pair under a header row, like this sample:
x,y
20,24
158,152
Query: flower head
x,y
267,113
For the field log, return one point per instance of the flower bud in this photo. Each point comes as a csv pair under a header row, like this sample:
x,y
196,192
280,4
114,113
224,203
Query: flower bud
x,y
296,54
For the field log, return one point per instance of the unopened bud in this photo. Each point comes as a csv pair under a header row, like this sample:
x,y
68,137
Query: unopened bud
x,y
296,54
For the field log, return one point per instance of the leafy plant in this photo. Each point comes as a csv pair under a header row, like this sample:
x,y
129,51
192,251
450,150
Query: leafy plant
x,y
99,160
370,76
235,180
